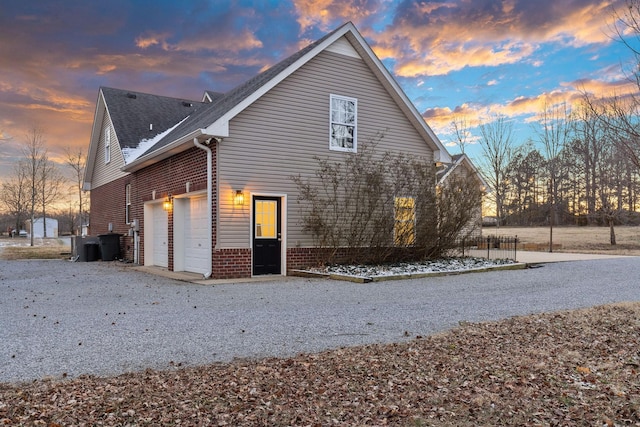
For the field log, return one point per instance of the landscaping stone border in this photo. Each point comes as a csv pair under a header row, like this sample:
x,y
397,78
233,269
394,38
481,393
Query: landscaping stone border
x,y
369,279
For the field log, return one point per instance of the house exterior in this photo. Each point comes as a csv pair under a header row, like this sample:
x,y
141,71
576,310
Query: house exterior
x,y
206,186
462,167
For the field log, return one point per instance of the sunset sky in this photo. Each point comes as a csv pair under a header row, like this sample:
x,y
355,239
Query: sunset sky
x,y
457,58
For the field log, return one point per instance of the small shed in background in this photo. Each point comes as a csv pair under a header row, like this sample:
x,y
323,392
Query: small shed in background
x,y
38,227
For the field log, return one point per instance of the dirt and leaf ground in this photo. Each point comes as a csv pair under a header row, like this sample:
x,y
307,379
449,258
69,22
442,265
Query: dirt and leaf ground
x,y
567,368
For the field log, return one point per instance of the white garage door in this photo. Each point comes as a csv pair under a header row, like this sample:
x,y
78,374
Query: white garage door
x,y
196,236
160,236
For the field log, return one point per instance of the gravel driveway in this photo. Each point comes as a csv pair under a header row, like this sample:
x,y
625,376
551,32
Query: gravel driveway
x,y
61,318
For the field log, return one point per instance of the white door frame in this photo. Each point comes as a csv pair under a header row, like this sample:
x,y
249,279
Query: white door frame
x,y
283,228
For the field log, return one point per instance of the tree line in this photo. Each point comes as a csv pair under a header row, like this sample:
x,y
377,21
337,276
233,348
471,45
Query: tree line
x,y
582,167
578,172
36,185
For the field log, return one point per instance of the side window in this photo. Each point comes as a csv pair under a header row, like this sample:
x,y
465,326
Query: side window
x,y
343,123
107,145
127,197
404,229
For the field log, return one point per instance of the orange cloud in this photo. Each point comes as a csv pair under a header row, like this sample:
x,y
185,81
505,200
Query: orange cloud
x,y
453,58
324,13
151,39
438,38
209,40
226,41
527,108
605,89
161,62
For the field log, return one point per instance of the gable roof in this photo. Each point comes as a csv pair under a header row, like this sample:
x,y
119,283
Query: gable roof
x,y
208,116
212,120
153,114
211,96
457,160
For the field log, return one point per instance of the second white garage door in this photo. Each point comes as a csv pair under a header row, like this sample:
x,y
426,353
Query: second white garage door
x,y
160,248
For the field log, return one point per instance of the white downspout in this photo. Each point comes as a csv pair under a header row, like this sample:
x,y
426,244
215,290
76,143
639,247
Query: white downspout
x,y
209,201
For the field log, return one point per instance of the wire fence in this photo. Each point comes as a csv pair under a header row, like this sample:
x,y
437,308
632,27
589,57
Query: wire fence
x,y
490,247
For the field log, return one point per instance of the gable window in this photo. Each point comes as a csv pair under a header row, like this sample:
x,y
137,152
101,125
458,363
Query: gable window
x,y
107,145
127,198
404,229
344,114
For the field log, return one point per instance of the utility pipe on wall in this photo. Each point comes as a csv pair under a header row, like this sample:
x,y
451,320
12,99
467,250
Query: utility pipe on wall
x,y
209,199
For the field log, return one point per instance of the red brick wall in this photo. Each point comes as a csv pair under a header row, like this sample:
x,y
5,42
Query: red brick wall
x,y
107,206
298,258
168,176
231,263
236,263
126,248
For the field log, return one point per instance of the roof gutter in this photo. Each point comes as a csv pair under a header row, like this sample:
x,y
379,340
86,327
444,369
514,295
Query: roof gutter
x,y
209,199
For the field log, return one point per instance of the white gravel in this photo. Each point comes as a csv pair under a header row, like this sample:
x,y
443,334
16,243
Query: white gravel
x,y
445,265
67,319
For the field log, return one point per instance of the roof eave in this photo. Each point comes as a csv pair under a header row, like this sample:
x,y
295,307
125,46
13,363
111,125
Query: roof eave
x,y
98,116
222,124
465,159
175,147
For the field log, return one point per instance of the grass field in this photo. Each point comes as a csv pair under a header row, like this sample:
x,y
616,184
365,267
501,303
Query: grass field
x,y
576,239
19,248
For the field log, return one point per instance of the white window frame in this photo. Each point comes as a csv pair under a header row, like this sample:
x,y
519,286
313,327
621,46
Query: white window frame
x,y
340,118
127,204
107,145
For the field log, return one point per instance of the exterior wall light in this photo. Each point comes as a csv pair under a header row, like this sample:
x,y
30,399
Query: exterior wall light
x,y
238,198
168,203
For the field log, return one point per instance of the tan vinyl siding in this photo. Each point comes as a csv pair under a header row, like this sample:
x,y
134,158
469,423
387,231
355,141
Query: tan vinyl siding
x,y
105,173
342,46
278,136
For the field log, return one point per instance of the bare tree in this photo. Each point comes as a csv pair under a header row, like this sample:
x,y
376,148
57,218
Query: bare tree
x,y
590,144
51,182
524,174
620,113
14,195
34,160
621,117
379,207
497,149
460,129
76,160
554,134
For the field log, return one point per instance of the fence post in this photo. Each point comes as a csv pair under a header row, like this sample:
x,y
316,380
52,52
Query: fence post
x,y
488,246
515,248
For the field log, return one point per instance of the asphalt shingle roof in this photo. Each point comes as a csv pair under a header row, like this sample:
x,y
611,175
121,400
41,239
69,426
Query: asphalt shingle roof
x,y
132,112
445,168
